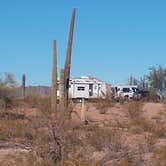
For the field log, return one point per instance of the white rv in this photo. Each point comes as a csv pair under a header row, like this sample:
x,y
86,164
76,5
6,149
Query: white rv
x,y
87,87
127,91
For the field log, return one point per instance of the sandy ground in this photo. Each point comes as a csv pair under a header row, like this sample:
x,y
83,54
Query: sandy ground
x,y
151,110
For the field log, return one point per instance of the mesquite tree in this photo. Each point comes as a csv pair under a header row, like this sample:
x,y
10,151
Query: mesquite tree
x,y
157,79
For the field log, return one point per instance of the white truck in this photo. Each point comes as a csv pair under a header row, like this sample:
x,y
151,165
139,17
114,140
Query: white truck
x,y
126,91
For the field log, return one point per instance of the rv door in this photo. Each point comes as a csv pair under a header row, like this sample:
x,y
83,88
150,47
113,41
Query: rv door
x,y
90,90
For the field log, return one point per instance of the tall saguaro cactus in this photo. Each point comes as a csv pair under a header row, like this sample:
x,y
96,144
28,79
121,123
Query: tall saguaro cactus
x,y
61,86
68,58
54,79
23,85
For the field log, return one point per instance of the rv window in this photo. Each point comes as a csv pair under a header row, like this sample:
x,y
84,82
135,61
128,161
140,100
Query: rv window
x,y
57,86
80,88
135,89
126,90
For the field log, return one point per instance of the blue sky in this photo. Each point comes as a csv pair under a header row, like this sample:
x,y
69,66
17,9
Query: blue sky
x,y
113,39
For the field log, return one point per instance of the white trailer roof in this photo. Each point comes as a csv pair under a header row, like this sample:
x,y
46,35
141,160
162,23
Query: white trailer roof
x,y
86,80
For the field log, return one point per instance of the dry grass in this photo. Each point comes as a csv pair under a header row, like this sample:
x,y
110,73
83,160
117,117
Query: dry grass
x,y
159,129
134,109
101,139
43,133
30,159
12,129
7,95
104,104
138,123
56,140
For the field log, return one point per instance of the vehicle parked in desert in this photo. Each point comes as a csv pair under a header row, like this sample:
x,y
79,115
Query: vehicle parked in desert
x,y
127,91
87,88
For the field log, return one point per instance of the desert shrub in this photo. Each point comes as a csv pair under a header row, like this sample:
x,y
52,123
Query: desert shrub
x,y
136,129
43,147
12,129
146,145
47,144
21,159
150,140
154,97
138,123
60,137
49,136
164,101
101,138
104,104
159,129
48,132
135,155
134,109
41,103
128,156
7,96
142,124
7,90
12,116
32,101
88,139
122,123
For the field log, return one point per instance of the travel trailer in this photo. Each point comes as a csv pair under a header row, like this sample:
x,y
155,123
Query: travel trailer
x,y
87,87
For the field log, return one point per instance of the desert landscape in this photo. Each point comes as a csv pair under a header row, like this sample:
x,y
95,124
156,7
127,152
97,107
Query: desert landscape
x,y
48,117
133,133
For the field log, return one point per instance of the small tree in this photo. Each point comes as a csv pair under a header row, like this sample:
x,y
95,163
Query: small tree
x,y
133,81
157,79
143,83
7,80
7,84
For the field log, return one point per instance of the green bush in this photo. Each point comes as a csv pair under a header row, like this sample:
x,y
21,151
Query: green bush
x,y
7,90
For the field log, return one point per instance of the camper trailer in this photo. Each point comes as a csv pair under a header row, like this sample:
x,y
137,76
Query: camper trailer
x,y
87,87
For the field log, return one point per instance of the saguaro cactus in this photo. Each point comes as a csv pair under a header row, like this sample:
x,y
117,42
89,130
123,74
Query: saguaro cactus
x,y
23,85
61,86
54,79
68,58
